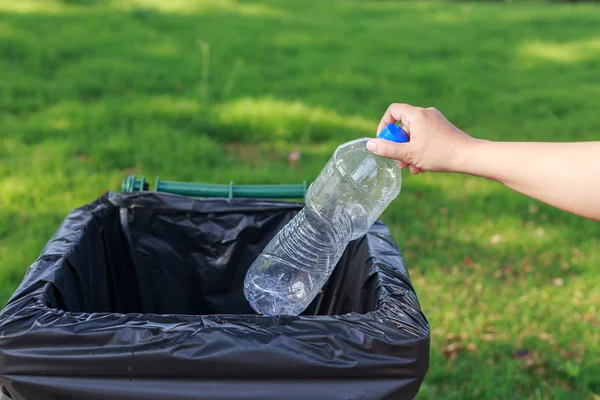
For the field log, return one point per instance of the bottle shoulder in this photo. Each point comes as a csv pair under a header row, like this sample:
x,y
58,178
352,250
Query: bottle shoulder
x,y
354,152
368,170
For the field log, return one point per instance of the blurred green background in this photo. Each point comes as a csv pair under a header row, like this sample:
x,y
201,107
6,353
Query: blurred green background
x,y
263,91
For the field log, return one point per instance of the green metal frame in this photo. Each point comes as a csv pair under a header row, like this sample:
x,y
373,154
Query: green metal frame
x,y
132,184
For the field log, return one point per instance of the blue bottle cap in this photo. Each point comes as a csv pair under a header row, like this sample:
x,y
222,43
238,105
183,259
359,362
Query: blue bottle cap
x,y
394,133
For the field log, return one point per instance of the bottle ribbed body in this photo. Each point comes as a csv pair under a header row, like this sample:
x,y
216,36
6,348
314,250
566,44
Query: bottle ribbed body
x,y
347,197
291,270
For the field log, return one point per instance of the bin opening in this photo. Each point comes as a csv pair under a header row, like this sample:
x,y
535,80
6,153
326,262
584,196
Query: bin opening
x,y
139,296
164,261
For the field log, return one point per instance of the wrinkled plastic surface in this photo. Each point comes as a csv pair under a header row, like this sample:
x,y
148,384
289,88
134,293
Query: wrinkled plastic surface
x,y
140,296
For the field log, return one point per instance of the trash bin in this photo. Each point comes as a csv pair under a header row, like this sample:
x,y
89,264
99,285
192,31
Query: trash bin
x,y
139,296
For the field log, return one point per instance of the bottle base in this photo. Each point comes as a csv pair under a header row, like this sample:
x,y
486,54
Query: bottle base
x,y
273,305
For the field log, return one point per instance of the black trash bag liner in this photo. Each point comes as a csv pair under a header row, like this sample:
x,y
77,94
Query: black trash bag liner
x,y
139,296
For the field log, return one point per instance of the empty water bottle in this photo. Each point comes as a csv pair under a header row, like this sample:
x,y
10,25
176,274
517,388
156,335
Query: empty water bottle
x,y
342,204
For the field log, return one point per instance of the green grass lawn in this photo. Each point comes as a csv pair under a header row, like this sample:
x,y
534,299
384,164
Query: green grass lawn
x,y
213,91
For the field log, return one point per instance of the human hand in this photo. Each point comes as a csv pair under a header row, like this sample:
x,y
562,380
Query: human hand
x,y
434,145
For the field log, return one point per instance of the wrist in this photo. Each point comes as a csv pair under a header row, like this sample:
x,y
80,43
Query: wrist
x,y
468,157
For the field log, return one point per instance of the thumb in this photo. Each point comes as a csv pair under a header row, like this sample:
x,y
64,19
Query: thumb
x,y
389,149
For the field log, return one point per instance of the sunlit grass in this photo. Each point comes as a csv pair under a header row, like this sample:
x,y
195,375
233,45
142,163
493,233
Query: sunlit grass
x,y
570,52
257,118
219,91
27,6
171,6
182,6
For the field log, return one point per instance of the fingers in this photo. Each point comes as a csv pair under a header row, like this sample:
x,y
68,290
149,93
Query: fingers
x,y
389,149
404,165
397,151
434,110
403,113
397,112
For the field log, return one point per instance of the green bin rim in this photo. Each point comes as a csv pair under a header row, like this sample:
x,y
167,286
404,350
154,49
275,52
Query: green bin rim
x,y
230,190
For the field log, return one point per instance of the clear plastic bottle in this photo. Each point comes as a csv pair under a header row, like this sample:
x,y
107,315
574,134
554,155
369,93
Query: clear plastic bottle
x,y
342,204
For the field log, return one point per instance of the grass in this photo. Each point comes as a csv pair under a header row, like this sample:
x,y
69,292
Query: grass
x,y
221,90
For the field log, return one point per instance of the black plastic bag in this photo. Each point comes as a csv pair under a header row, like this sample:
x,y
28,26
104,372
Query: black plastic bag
x,y
139,296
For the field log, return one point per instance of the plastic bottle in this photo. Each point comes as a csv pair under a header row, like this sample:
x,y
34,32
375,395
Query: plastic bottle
x,y
342,204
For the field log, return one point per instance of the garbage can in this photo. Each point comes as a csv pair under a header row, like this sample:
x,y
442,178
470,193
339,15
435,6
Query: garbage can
x,y
140,296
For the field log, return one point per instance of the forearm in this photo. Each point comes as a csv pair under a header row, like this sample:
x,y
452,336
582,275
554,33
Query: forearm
x,y
564,175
